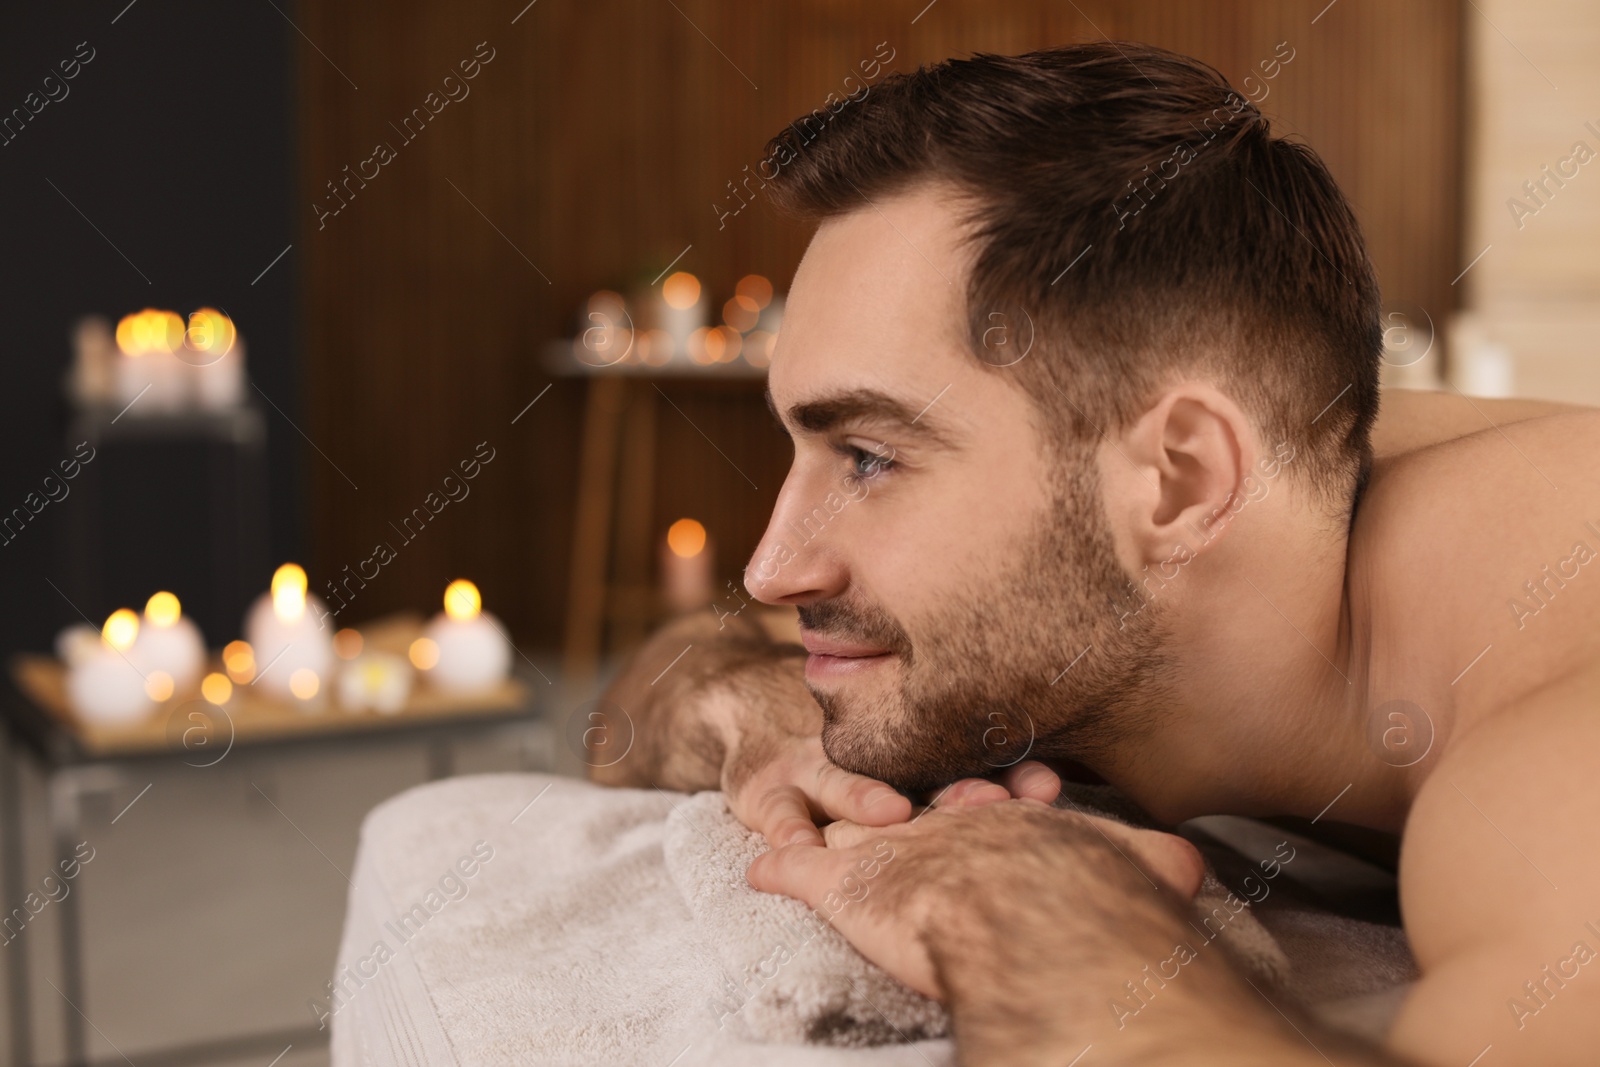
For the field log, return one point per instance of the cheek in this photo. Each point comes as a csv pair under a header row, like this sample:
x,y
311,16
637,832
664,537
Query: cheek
x,y
927,550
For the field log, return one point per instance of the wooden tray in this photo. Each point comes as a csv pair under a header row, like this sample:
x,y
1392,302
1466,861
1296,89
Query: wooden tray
x,y
189,723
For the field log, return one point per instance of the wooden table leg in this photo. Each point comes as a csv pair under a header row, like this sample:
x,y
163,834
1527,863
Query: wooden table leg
x,y
591,535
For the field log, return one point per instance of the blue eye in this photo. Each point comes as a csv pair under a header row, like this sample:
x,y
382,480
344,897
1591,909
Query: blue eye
x,y
867,463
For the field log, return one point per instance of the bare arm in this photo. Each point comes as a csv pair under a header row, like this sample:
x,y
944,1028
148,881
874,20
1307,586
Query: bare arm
x,y
713,703
678,696
1499,883
1049,933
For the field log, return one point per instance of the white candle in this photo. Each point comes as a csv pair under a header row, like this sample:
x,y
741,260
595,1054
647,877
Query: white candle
x,y
77,644
105,688
169,642
375,680
286,637
214,353
686,566
470,648
681,311
148,371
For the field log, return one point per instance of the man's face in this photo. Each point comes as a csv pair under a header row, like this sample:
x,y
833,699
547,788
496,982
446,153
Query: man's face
x,y
952,568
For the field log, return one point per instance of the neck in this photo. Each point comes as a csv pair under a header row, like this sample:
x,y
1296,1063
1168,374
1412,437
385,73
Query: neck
x,y
1265,709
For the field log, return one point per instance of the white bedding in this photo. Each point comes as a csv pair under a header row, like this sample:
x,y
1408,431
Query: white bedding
x,y
527,919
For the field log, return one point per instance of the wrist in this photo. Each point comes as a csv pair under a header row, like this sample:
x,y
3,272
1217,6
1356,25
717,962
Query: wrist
x,y
1137,985
763,693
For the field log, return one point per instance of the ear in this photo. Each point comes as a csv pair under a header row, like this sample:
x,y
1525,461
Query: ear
x,y
1193,451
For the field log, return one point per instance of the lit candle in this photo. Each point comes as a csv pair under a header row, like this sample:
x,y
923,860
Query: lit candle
x,y
104,687
375,680
606,336
216,688
347,643
94,363
470,649
758,314
285,638
214,353
305,685
169,642
686,565
681,311
239,660
148,371
77,643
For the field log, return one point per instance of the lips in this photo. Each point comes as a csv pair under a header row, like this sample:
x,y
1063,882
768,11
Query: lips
x,y
822,646
830,659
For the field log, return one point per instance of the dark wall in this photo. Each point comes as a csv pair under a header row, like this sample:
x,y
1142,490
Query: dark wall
x,y
174,146
601,141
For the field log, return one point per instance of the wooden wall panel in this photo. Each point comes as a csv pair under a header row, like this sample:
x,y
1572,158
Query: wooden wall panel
x,y
595,144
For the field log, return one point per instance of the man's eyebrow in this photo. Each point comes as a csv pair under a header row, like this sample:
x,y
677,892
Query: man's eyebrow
x,y
824,412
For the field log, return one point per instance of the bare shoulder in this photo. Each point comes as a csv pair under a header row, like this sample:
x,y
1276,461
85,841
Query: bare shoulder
x,y
1409,419
1486,540
1534,465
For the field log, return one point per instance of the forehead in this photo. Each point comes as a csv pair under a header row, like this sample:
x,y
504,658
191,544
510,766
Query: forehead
x,y
878,303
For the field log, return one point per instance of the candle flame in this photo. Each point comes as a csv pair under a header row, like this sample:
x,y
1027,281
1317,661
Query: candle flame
x,y
210,331
158,686
347,643
758,348
686,538
724,342
755,289
304,683
461,600
162,610
423,653
681,290
240,660
741,313
149,330
216,688
700,346
120,629
289,592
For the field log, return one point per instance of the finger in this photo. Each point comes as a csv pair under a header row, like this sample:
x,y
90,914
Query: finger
x,y
1176,862
1167,858
855,797
804,872
850,834
970,793
1031,779
783,816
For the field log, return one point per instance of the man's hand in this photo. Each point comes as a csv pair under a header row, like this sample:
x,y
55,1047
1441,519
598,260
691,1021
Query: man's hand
x,y
1034,924
941,902
719,703
780,783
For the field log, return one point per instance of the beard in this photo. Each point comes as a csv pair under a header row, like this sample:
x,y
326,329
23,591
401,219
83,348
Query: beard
x,y
1055,658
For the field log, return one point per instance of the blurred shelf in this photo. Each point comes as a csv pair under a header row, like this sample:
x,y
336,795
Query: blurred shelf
x,y
561,360
242,425
251,715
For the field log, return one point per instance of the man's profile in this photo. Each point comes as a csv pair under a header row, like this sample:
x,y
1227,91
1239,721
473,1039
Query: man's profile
x,y
1094,355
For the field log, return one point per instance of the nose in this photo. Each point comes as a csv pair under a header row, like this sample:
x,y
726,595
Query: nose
x,y
801,556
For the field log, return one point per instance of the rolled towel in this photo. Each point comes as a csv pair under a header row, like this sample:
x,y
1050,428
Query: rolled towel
x,y
788,976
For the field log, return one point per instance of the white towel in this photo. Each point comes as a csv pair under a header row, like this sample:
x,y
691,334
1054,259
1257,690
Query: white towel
x,y
606,928
790,978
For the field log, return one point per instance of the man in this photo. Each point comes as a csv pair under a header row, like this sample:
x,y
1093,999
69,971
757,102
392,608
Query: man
x,y
1081,372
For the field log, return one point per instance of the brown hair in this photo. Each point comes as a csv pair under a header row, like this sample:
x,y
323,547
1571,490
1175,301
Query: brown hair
x,y
1132,212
